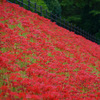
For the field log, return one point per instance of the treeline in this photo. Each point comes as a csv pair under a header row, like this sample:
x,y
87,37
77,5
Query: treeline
x,y
82,13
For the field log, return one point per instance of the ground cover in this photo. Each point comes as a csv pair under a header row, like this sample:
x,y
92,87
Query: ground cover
x,y
42,61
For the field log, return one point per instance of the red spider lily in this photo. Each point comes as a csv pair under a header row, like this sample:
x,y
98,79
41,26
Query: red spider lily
x,y
40,60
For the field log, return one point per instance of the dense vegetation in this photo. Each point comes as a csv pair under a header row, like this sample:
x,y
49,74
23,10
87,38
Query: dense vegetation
x,y
42,61
82,13
38,2
54,7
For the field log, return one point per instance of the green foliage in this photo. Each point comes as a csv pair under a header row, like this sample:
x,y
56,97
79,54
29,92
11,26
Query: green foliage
x,y
38,2
54,6
94,12
98,36
74,18
83,13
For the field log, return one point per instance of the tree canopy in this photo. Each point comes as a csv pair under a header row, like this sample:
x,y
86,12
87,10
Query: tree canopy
x,y
83,13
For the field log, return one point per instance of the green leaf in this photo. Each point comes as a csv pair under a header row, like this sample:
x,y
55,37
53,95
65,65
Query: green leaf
x,y
74,18
94,12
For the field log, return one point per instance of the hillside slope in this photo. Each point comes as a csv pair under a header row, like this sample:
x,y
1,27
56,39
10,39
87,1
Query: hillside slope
x,y
42,61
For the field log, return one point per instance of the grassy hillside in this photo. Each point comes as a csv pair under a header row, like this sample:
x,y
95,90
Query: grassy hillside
x,y
42,61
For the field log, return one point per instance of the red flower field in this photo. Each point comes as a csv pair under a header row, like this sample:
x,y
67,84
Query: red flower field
x,y
40,60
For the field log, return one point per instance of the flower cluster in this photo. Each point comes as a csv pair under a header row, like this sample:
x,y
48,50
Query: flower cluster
x,y
42,61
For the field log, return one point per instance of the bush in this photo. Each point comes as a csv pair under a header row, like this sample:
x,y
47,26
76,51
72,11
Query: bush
x,y
38,2
54,7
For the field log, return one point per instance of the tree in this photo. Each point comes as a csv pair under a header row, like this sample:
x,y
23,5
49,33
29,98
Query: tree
x,y
83,13
54,7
